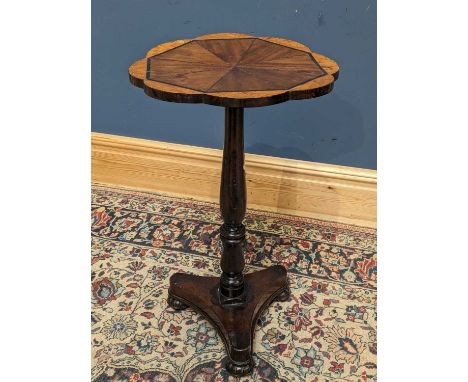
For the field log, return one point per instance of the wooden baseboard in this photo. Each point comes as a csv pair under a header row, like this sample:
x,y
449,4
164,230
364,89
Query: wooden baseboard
x,y
318,190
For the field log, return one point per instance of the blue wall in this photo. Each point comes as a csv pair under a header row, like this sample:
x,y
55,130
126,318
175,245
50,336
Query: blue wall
x,y
339,128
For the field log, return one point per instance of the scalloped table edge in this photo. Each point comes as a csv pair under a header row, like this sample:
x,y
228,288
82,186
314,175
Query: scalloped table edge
x,y
172,93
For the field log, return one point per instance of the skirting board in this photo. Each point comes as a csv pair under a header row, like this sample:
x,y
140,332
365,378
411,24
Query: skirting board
x,y
323,191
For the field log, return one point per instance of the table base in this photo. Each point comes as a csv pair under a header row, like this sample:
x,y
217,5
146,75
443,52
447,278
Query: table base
x,y
234,321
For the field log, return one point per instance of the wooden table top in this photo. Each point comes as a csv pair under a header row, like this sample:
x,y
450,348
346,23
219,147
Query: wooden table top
x,y
233,70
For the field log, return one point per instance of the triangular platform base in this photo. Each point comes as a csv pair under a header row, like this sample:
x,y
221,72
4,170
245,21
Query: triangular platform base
x,y
235,323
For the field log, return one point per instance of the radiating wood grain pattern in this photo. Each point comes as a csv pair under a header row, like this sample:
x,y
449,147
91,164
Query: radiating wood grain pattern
x,y
233,70
330,192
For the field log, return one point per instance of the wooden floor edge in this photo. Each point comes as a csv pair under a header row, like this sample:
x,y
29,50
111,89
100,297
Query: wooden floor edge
x,y
317,190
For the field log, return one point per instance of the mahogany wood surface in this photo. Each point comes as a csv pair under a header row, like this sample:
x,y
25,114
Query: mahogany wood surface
x,y
233,70
232,200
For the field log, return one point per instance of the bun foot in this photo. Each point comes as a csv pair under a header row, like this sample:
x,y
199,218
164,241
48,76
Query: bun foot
x,y
284,295
175,303
238,369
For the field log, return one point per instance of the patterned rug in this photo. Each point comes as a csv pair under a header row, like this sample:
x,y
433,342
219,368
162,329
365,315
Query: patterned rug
x,y
325,332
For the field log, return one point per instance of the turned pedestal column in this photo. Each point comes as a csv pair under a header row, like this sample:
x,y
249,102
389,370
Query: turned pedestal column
x,y
232,302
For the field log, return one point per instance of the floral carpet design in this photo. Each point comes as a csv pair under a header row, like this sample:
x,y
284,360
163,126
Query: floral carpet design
x,y
326,331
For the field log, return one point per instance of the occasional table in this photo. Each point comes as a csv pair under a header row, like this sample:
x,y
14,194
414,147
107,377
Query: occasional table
x,y
234,71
